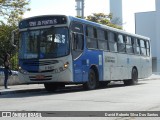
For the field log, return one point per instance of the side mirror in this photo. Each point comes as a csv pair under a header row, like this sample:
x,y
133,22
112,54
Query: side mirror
x,y
14,35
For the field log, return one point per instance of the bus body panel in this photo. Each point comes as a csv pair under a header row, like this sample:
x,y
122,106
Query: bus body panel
x,y
86,61
122,66
107,65
119,66
110,65
58,72
146,67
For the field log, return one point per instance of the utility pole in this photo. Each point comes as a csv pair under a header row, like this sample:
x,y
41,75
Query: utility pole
x,y
80,8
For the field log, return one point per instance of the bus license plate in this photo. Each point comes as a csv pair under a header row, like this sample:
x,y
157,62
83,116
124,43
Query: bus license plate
x,y
40,77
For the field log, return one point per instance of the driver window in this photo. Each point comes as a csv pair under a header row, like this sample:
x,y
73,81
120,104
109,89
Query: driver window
x,y
77,39
78,42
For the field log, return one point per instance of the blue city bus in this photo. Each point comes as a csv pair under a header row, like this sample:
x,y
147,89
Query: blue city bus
x,y
56,50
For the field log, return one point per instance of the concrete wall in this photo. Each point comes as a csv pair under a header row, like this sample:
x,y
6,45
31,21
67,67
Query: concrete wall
x,y
13,80
158,38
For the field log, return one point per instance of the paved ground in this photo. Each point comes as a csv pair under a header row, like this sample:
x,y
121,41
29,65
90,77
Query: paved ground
x,y
21,89
40,87
116,97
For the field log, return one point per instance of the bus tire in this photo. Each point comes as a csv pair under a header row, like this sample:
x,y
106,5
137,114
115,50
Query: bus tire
x,y
134,79
50,87
92,82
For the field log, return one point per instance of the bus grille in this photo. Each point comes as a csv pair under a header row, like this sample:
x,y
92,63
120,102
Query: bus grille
x,y
36,71
40,63
40,78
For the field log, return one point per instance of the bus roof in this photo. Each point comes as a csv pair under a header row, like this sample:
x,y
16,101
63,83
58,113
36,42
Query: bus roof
x,y
90,23
106,27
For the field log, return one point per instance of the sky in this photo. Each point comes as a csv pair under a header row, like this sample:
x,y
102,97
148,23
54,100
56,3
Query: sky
x,y
67,7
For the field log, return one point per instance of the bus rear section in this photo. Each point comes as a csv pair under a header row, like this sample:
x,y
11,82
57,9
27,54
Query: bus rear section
x,y
102,54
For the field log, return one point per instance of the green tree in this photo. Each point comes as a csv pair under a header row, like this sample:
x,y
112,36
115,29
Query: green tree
x,y
12,10
5,38
102,19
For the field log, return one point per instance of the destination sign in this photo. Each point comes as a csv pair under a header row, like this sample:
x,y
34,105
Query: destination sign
x,y
42,21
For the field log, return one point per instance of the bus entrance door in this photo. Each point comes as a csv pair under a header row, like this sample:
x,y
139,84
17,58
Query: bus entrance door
x,y
78,71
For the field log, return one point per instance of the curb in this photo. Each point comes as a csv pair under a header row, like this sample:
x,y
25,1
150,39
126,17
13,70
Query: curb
x,y
8,91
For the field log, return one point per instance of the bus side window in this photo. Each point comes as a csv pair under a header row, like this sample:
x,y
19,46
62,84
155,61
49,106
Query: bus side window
x,y
90,32
78,41
77,36
129,47
95,32
91,38
102,42
121,43
137,46
143,48
112,42
134,45
148,48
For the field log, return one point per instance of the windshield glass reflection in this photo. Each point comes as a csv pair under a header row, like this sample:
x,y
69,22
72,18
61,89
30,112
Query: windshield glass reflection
x,y
47,43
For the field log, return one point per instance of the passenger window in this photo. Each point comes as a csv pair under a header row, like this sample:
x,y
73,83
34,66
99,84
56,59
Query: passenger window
x,y
137,46
148,48
147,44
129,45
102,42
91,37
95,32
143,47
100,34
91,43
90,32
121,43
112,42
78,42
142,43
106,35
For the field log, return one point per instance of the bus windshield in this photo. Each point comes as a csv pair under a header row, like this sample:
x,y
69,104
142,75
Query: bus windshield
x,y
44,43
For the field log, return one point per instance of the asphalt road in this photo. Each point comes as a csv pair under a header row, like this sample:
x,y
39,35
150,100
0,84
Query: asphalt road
x,y
116,97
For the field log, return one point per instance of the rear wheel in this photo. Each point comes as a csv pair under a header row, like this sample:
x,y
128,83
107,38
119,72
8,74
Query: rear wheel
x,y
92,82
134,79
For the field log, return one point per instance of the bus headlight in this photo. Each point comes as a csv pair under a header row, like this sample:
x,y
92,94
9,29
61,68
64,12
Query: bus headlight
x,y
66,65
22,71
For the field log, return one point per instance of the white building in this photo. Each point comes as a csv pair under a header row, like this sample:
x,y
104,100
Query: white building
x,y
148,24
116,10
80,8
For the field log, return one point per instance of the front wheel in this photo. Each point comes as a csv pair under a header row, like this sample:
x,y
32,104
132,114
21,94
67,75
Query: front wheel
x,y
92,82
134,79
